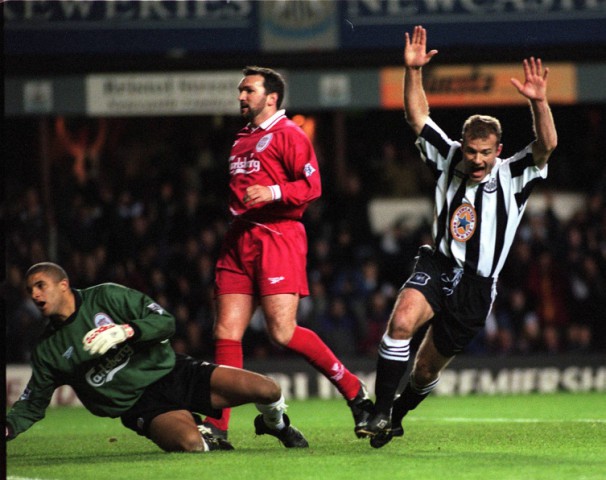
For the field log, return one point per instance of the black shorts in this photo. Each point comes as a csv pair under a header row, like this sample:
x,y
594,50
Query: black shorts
x,y
186,387
460,301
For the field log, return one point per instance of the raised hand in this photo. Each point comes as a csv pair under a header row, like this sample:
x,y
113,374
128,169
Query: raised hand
x,y
415,54
535,81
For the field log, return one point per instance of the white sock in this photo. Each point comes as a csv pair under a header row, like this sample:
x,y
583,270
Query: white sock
x,y
424,390
273,413
394,349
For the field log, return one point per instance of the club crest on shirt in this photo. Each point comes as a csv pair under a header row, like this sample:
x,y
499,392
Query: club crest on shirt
x,y
102,319
419,278
463,223
154,307
26,394
264,142
491,185
68,353
308,169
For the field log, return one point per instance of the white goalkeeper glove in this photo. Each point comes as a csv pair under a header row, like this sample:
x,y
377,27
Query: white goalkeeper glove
x,y
100,340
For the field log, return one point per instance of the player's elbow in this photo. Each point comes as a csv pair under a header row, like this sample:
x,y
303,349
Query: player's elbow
x,y
314,193
552,144
416,122
541,159
171,327
543,150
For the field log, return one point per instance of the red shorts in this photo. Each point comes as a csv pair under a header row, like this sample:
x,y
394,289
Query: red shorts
x,y
263,259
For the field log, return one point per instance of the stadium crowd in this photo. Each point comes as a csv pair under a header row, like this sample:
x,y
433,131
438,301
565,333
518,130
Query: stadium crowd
x,y
142,203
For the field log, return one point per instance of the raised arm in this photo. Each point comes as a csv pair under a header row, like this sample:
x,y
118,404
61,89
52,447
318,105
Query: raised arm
x,y
416,107
534,89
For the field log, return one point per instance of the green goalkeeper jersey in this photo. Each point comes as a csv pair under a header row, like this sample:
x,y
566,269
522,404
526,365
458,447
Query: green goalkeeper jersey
x,y
109,384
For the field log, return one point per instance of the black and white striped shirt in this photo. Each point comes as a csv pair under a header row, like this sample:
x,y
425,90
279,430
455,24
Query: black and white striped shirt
x,y
475,224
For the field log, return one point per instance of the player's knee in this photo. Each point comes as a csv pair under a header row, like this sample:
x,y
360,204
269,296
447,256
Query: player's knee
x,y
281,335
424,372
400,333
270,391
410,313
400,327
191,442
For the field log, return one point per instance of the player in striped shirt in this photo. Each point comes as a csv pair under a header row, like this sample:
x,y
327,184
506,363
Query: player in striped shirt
x,y
479,202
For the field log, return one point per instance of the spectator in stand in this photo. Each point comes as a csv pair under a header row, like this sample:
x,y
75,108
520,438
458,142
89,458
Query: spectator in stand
x,y
31,220
378,308
516,270
84,142
517,324
338,327
397,248
548,284
349,210
190,215
314,306
588,292
23,324
401,173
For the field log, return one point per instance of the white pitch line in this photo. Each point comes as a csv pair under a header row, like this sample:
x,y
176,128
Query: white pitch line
x,y
24,478
508,420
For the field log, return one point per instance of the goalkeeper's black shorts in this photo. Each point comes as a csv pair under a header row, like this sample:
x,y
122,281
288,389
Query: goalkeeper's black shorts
x,y
186,387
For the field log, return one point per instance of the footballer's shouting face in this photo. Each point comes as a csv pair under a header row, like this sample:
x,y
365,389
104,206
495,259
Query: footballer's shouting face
x,y
52,296
480,155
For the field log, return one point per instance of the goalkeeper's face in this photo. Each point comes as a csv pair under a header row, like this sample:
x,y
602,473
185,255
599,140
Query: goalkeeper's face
x,y
50,295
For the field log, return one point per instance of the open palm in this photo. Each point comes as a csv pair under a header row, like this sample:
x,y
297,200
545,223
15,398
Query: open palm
x,y
535,81
415,49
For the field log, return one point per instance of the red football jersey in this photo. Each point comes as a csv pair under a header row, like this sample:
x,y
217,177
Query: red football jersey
x,y
276,153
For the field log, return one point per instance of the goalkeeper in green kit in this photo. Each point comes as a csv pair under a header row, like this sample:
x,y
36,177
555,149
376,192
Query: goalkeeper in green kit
x,y
111,345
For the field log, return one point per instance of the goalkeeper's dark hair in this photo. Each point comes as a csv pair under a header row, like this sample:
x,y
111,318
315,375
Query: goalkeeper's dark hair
x,y
50,268
273,82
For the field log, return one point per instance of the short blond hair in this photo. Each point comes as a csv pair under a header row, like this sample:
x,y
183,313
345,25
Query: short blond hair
x,y
482,126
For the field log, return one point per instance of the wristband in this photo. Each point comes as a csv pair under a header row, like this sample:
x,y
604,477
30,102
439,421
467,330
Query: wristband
x,y
276,192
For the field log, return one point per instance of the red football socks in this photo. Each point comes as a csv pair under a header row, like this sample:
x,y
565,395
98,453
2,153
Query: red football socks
x,y
227,352
309,345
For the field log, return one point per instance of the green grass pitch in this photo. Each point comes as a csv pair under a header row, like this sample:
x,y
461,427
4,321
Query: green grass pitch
x,y
551,437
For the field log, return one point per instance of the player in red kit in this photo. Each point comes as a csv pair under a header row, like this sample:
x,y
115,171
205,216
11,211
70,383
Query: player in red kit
x,y
274,176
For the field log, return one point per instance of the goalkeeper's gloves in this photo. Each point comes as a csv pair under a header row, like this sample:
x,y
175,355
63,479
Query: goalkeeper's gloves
x,y
100,340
